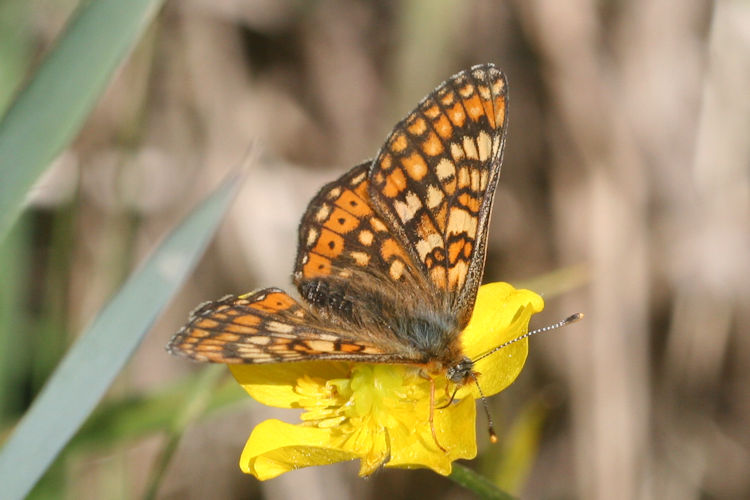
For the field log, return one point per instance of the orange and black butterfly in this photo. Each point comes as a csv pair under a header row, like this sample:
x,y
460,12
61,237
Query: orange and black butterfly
x,y
390,255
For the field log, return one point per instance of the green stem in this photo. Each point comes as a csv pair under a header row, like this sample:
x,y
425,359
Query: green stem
x,y
478,484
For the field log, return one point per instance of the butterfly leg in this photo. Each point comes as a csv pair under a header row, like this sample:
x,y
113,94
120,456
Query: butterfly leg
x,y
450,399
432,413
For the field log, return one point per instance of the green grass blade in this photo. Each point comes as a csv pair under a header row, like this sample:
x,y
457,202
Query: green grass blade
x,y
50,110
88,369
14,288
14,48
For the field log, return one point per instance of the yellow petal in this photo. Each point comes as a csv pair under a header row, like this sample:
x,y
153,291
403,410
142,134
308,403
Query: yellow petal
x,y
501,314
276,447
371,445
413,446
273,384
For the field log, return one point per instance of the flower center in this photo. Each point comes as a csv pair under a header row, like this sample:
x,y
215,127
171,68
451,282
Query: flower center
x,y
374,395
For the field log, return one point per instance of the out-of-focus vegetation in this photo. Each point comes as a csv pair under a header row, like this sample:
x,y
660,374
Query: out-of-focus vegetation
x,y
625,194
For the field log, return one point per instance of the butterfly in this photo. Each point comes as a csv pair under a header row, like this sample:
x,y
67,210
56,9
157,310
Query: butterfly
x,y
390,255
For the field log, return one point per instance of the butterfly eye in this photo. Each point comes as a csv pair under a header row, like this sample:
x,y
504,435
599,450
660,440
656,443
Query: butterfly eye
x,y
461,372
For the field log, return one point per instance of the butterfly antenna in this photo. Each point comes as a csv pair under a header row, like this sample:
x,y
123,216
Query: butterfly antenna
x,y
570,319
490,423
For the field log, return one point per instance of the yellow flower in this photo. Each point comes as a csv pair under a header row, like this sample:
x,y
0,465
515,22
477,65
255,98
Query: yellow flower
x,y
379,413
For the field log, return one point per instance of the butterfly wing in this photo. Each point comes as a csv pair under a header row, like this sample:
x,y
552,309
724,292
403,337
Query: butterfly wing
x,y
434,180
340,232
268,326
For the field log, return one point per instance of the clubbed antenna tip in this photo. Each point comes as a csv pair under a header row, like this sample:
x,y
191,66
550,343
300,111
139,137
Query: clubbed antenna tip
x,y
572,318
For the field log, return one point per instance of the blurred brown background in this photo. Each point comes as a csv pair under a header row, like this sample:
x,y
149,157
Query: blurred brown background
x,y
625,194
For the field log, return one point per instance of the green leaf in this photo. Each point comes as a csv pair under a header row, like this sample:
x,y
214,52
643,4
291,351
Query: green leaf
x,y
88,369
50,110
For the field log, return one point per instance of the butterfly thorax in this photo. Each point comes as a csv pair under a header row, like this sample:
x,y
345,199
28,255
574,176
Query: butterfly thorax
x,y
436,340
436,337
431,335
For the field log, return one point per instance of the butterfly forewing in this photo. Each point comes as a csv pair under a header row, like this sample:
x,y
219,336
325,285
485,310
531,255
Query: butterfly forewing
x,y
434,180
267,326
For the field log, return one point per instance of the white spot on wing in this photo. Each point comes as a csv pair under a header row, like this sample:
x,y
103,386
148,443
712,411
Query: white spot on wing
x,y
361,258
434,196
320,345
365,237
445,168
358,179
457,151
312,236
407,210
485,145
260,340
276,327
460,221
425,245
396,269
470,148
322,213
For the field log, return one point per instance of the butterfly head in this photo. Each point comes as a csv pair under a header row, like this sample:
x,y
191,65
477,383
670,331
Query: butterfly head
x,y
462,372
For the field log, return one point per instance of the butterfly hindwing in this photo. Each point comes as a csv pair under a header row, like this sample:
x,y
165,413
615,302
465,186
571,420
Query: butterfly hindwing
x,y
350,267
340,231
434,179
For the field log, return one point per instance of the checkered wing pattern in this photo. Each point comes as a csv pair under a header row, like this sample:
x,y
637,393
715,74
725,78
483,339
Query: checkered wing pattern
x,y
340,233
350,267
267,326
434,179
